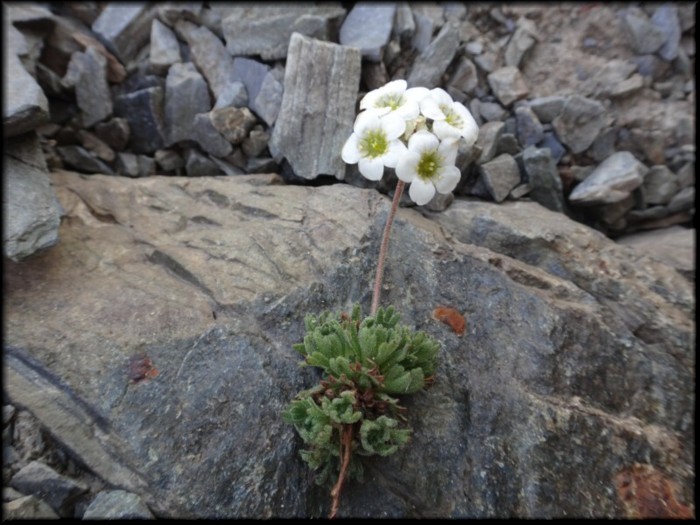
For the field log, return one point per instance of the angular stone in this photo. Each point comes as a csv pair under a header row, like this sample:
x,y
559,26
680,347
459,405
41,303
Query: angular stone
x,y
82,160
643,36
198,165
683,200
92,143
628,86
404,23
115,132
165,49
604,145
424,32
209,54
186,95
304,134
87,72
25,107
143,110
124,28
171,12
233,123
263,87
508,85
256,142
580,121
28,508
660,185
547,108
368,27
432,62
492,111
488,138
500,175
665,18
613,180
529,128
117,505
208,137
32,215
235,95
524,37
543,177
265,30
169,160
550,142
116,72
464,77
268,101
127,164
45,483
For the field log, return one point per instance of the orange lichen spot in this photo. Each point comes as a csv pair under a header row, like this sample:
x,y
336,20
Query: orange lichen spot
x,y
452,318
140,367
647,493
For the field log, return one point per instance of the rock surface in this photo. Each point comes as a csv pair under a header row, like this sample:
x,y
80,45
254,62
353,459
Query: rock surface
x,y
166,328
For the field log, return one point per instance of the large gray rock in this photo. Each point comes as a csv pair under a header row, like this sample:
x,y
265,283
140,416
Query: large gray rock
x,y
143,110
40,480
209,54
165,49
31,212
613,180
368,27
25,107
117,504
508,84
124,27
87,73
576,369
580,122
186,95
265,29
432,62
316,118
543,177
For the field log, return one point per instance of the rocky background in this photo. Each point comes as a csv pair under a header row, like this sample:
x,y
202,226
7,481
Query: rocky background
x,y
157,272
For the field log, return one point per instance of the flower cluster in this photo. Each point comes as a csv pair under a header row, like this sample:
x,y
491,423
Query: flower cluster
x,y
416,131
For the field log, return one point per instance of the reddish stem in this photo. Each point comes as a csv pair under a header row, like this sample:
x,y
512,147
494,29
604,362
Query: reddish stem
x,y
385,246
345,452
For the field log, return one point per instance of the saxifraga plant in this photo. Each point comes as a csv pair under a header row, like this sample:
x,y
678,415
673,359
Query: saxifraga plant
x,y
366,363
354,411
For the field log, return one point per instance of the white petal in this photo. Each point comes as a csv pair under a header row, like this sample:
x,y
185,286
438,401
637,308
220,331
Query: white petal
x,y
449,150
395,86
449,180
406,167
368,100
351,153
393,125
371,169
430,108
470,130
416,94
422,141
397,150
421,192
409,110
445,131
441,96
366,120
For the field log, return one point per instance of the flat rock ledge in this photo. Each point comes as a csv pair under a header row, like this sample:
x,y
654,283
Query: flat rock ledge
x,y
163,325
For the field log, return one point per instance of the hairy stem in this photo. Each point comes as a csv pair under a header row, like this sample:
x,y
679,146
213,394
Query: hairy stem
x,y
345,452
385,246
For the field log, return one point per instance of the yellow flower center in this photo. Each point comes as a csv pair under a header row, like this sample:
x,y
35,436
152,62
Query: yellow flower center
x,y
451,117
390,100
374,143
429,165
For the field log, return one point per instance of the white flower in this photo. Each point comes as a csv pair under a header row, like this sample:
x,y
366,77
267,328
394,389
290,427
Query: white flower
x,y
428,165
375,143
451,120
393,97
